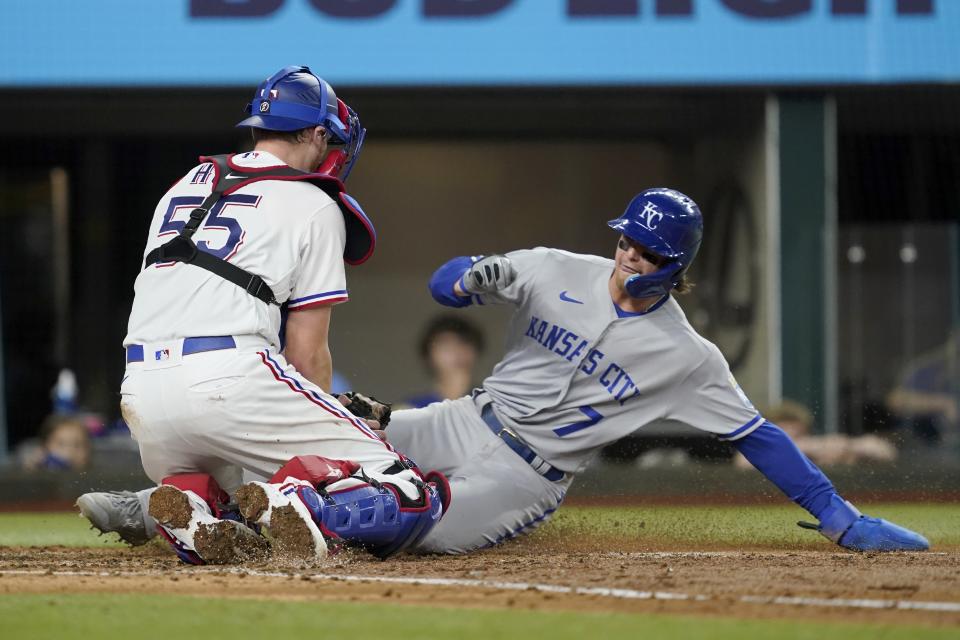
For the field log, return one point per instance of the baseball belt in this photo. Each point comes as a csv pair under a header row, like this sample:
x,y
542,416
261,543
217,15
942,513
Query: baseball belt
x,y
513,441
190,346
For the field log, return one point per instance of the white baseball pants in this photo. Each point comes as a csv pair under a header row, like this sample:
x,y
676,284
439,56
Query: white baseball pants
x,y
226,411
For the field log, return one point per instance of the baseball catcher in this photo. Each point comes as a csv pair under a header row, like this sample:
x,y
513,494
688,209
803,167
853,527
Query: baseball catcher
x,y
208,393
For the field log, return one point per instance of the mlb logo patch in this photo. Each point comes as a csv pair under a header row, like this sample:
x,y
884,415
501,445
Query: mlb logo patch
x,y
161,355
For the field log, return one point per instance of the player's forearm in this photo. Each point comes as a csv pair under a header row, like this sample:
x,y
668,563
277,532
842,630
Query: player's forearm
x,y
776,456
316,366
307,346
445,286
457,282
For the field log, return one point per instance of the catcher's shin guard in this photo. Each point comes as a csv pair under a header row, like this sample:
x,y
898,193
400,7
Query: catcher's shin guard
x,y
383,513
377,518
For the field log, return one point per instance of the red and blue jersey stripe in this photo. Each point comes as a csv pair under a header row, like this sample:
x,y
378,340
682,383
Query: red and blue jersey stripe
x,y
316,398
317,299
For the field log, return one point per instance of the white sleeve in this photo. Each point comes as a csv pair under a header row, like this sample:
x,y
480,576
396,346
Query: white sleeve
x,y
321,279
527,263
710,399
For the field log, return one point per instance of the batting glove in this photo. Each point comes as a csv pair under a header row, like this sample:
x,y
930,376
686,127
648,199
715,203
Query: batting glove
x,y
843,524
489,274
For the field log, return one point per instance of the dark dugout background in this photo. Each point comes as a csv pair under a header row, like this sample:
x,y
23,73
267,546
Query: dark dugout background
x,y
467,171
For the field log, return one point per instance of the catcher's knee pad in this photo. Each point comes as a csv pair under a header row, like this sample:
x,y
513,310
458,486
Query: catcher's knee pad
x,y
316,470
384,515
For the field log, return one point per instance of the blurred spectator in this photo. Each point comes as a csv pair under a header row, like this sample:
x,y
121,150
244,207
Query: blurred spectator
x,y
929,390
826,450
64,444
449,349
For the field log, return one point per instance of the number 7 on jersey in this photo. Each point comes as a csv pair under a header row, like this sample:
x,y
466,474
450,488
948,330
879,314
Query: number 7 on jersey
x,y
593,417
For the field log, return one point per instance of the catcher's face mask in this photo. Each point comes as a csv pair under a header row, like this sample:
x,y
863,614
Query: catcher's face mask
x,y
345,142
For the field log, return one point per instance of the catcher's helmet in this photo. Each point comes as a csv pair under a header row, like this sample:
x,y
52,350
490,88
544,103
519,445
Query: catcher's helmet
x,y
294,98
667,223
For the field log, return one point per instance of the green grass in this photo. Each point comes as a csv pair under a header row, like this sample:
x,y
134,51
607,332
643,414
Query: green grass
x,y
737,526
64,617
688,526
161,616
46,529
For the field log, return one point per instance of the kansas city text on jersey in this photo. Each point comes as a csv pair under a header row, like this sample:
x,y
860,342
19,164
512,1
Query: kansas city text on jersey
x,y
569,346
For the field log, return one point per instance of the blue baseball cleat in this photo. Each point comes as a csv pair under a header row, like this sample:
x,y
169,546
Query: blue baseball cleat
x,y
843,524
876,534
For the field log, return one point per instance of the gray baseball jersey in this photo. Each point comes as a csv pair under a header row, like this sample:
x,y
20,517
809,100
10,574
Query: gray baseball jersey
x,y
578,374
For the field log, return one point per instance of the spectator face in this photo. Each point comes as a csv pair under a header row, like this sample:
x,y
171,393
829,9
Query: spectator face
x,y
449,352
69,442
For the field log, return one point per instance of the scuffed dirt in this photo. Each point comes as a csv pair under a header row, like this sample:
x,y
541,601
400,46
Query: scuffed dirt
x,y
723,577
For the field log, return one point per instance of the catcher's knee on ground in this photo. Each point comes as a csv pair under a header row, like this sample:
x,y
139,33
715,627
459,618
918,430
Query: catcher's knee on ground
x,y
385,513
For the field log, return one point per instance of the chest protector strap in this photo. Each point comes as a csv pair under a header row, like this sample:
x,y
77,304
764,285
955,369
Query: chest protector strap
x,y
228,177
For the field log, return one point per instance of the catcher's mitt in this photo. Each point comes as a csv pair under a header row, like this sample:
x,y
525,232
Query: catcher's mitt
x,y
369,408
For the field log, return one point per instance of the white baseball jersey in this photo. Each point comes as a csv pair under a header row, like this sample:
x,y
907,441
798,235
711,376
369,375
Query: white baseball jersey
x,y
242,408
578,376
266,228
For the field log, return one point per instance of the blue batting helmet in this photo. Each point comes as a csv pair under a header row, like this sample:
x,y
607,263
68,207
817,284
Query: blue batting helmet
x,y
295,98
667,223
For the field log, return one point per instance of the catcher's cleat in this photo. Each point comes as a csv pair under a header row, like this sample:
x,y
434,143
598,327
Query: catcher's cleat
x,y
228,541
196,535
117,512
279,509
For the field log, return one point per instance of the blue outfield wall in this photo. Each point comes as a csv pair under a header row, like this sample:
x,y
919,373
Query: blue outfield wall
x,y
479,42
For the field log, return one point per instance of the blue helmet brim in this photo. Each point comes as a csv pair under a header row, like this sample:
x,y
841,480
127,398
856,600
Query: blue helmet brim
x,y
640,234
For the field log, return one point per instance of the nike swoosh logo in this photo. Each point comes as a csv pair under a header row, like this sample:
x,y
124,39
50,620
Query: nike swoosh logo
x,y
566,298
233,176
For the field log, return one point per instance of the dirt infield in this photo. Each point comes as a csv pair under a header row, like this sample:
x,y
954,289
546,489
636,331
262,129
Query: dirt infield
x,y
878,588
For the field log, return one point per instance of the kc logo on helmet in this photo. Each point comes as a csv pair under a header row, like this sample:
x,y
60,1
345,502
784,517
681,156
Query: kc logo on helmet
x,y
264,106
650,216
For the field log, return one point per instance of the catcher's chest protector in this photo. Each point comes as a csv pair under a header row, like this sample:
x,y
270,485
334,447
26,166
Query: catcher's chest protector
x,y
228,178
